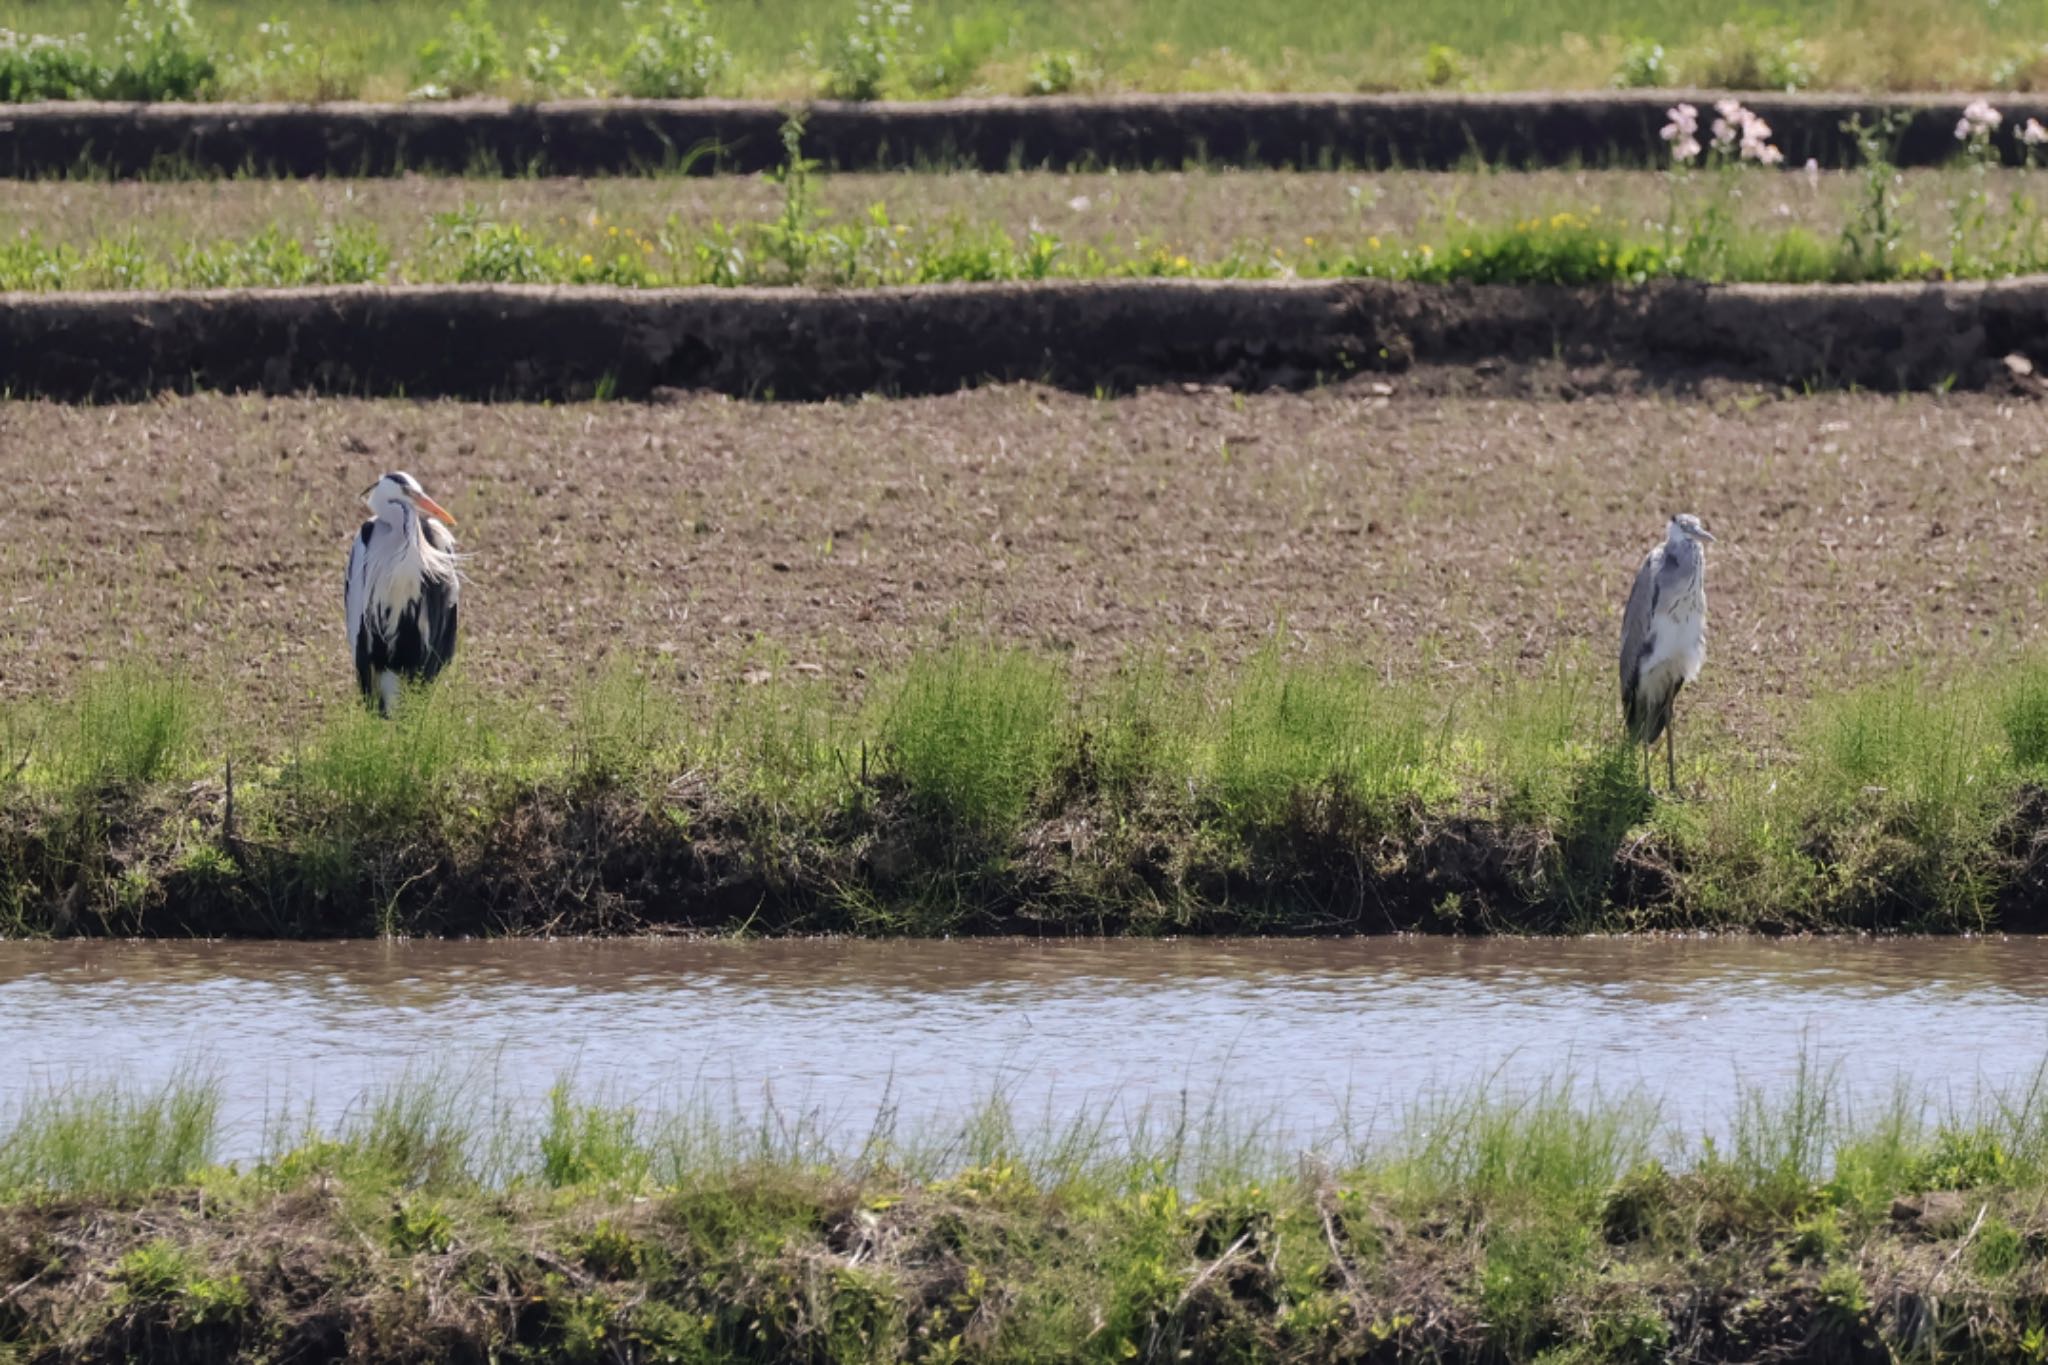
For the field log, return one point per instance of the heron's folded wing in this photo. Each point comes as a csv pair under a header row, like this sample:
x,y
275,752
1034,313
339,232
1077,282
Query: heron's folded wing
x,y
355,593
356,601
1635,620
438,614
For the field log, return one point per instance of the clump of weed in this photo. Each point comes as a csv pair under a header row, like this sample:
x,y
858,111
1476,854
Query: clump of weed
x,y
1608,798
972,734
160,54
970,40
129,727
486,252
468,59
548,65
44,67
622,726
1751,56
1443,66
1295,731
674,54
369,776
109,1140
589,1143
1643,64
2023,713
785,751
1053,73
859,56
1910,781
286,66
163,1274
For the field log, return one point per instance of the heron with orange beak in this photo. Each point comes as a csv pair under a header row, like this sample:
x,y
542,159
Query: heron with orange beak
x,y
403,582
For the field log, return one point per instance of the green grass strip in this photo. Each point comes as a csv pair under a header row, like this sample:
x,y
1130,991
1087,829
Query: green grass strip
x,y
979,791
1552,1223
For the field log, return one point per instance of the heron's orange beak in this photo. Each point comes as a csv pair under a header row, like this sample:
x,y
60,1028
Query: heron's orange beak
x,y
432,508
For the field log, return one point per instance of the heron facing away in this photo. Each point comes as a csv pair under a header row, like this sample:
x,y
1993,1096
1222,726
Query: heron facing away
x,y
403,582
1664,637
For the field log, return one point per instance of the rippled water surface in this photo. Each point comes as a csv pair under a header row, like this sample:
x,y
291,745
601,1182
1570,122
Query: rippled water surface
x,y
1296,1031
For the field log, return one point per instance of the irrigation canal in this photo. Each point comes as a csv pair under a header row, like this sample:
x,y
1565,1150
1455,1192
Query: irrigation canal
x,y
1290,1034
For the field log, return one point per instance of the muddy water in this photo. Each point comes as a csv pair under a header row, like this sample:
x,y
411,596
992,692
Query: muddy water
x,y
1295,1032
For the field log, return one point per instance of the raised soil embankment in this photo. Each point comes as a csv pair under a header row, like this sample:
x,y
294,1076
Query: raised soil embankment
x,y
605,137
539,342
581,857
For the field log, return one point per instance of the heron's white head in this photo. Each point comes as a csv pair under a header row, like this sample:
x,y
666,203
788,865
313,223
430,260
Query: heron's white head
x,y
399,489
1686,527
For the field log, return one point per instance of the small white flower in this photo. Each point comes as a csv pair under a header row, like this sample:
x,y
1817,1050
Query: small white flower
x,y
2034,134
1812,173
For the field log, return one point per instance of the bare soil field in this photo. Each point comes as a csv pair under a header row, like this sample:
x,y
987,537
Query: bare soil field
x,y
1203,214
1448,535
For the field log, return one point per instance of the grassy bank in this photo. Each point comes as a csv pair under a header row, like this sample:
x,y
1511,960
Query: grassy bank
x,y
798,227
983,791
1551,1224
320,49
1726,218
874,249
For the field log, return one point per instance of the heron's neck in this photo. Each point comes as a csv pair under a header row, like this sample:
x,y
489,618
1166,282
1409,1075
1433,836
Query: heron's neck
x,y
400,518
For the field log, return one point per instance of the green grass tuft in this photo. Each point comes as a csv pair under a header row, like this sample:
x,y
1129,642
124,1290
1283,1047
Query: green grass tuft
x,y
129,727
108,1140
1294,730
972,733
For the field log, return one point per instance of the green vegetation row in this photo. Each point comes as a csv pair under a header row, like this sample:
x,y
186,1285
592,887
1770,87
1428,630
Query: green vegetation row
x,y
865,49
982,791
1987,235
437,1223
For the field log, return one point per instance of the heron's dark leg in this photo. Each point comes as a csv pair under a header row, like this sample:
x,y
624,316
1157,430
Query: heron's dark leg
x,y
1671,756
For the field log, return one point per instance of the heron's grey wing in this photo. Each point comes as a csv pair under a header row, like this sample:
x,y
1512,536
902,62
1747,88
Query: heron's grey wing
x,y
356,601
1635,625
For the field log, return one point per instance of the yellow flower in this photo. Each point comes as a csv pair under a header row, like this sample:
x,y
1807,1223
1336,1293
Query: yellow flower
x,y
613,230
1428,250
1308,241
1181,262
1373,242
1468,253
587,258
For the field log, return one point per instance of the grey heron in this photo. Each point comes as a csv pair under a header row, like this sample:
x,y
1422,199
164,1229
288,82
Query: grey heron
x,y
1664,637
402,588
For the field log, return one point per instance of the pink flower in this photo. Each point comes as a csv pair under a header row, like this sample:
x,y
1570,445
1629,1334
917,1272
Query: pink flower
x,y
1682,131
1978,121
1744,134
